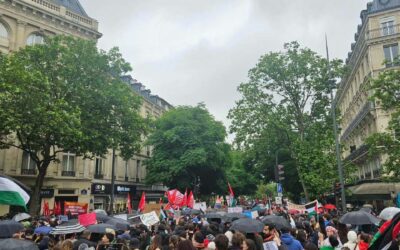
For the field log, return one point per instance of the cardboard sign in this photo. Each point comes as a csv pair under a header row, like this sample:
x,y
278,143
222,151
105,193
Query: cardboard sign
x,y
235,209
152,207
254,214
149,219
75,208
200,206
87,219
278,200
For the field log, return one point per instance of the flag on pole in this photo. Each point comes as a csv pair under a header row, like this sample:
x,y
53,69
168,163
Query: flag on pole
x,y
190,201
232,200
312,208
12,194
230,190
185,199
46,209
129,204
142,202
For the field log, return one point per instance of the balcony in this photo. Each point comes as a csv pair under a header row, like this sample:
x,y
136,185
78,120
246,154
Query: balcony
x,y
364,111
98,176
28,171
383,32
357,153
68,173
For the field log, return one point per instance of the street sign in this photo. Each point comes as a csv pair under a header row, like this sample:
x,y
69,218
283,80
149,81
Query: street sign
x,y
280,194
279,188
278,200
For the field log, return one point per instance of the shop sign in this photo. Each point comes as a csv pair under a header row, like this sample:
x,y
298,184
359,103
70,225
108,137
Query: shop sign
x,y
124,189
47,193
98,188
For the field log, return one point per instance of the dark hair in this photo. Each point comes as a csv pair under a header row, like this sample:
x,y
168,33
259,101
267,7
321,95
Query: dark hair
x,y
310,246
301,236
364,237
333,241
198,237
221,242
185,245
156,243
173,242
110,236
270,226
250,244
237,239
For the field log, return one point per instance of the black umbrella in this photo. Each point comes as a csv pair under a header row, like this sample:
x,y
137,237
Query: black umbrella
x,y
119,224
213,216
229,217
70,222
278,221
359,218
247,225
101,228
9,227
16,244
102,217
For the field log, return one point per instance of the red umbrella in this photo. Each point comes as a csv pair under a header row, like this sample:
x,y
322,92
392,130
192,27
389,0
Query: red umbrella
x,y
330,206
293,211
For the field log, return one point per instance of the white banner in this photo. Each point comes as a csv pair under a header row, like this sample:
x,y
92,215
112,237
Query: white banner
x,y
278,200
149,219
200,206
235,209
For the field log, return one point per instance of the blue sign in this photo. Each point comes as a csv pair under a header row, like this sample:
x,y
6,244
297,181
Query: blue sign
x,y
279,188
398,200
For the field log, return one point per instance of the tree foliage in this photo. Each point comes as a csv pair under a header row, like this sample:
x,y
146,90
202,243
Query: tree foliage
x,y
66,95
189,143
285,105
386,90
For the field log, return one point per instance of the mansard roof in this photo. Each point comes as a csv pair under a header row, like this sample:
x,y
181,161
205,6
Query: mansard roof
x,y
72,5
382,5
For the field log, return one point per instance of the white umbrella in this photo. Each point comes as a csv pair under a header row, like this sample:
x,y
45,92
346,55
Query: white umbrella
x,y
388,213
21,217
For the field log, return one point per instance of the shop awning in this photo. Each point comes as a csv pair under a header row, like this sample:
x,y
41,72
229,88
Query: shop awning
x,y
374,191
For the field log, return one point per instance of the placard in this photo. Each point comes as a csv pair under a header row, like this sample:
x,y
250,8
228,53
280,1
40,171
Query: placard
x,y
149,219
75,208
254,214
235,209
200,206
87,219
278,200
152,207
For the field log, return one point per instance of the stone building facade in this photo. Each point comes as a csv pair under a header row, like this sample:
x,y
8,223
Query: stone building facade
x,y
27,22
376,41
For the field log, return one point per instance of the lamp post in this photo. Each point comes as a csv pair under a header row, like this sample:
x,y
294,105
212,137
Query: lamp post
x,y
332,85
112,182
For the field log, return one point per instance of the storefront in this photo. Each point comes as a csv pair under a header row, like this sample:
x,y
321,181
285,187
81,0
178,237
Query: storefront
x,y
101,193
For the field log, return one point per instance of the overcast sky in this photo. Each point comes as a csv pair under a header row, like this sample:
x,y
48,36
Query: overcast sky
x,y
191,51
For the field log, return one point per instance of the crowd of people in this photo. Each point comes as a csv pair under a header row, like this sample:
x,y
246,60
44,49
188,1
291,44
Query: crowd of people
x,y
197,232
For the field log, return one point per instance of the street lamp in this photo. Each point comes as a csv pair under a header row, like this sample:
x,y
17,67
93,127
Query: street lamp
x,y
332,85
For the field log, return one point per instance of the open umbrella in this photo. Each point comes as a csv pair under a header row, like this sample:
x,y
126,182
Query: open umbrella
x,y
100,211
329,206
119,224
102,217
213,216
278,221
229,217
247,225
9,227
101,228
16,244
21,216
359,218
388,213
43,230
67,229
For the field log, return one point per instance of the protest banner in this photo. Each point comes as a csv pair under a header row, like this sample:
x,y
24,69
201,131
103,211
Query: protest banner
x,y
149,219
200,206
75,208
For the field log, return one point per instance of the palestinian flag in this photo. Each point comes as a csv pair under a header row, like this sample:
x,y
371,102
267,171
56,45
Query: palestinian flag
x,y
383,239
12,194
312,208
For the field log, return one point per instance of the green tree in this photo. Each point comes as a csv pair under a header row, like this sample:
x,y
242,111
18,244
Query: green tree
x,y
66,95
189,143
386,89
285,106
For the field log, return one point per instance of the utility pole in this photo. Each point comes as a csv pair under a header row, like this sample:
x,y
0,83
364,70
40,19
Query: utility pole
x,y
112,182
332,85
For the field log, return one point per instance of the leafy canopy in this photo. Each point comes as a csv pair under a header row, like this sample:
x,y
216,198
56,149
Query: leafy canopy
x,y
188,143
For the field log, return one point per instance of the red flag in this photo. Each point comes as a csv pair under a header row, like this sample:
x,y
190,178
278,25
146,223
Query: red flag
x,y
87,219
58,211
230,190
190,201
46,209
160,201
128,204
142,202
184,200
55,208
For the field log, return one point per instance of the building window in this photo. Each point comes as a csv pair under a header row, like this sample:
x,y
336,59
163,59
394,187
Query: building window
x,y
98,171
35,39
28,164
138,170
68,163
3,31
126,171
387,28
391,53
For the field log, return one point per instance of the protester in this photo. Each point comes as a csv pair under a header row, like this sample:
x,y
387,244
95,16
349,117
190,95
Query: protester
x,y
289,241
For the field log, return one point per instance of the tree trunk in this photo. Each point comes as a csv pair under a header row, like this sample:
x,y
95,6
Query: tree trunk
x,y
34,207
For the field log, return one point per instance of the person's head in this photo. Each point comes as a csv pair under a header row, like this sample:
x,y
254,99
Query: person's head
x,y
85,234
331,231
310,246
269,229
198,240
221,242
185,245
352,236
364,237
285,230
301,236
156,243
174,241
249,244
333,241
326,217
237,239
67,245
134,243
107,238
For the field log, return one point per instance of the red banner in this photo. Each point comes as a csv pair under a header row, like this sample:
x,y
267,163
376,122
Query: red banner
x,y
75,208
87,219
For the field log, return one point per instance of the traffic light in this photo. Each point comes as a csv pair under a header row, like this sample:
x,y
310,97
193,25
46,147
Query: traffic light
x,y
337,189
279,173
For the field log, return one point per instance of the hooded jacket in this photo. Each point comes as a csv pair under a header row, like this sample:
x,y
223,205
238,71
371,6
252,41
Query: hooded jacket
x,y
290,242
352,243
